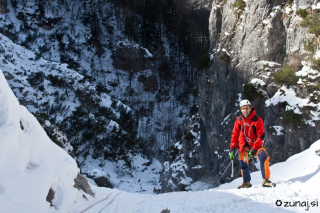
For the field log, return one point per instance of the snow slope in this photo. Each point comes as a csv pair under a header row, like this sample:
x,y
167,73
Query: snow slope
x,y
298,186
30,163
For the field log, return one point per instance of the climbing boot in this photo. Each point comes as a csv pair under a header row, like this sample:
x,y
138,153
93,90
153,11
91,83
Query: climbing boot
x,y
245,185
267,183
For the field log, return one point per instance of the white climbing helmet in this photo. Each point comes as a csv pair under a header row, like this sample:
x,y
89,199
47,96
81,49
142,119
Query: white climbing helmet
x,y
245,102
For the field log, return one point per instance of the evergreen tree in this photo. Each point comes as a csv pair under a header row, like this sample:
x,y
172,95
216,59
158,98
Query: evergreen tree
x,y
169,12
184,37
129,27
150,35
87,11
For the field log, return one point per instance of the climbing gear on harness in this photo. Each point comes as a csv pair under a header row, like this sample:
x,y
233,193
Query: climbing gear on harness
x,y
251,153
245,134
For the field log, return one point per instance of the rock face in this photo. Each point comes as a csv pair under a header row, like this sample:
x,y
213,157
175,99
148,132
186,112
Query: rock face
x,y
265,31
248,46
103,182
50,196
3,6
186,155
131,59
150,83
82,183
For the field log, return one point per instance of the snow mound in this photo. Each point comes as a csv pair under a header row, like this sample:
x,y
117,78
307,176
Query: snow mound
x,y
30,163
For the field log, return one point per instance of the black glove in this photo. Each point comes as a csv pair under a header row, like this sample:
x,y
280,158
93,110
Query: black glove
x,y
251,153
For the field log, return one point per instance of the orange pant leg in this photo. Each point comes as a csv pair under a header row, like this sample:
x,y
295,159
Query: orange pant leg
x,y
243,158
264,162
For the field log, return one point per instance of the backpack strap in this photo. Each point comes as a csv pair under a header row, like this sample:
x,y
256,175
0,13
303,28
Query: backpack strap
x,y
255,128
254,118
239,125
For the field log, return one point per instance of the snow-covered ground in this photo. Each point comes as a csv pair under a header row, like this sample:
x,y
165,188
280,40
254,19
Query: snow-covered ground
x,y
30,164
298,188
141,176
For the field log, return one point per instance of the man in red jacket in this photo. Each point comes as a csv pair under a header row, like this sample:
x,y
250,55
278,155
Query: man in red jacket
x,y
248,136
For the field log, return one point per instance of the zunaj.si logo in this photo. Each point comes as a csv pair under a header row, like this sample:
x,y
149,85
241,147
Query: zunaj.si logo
x,y
305,204
278,203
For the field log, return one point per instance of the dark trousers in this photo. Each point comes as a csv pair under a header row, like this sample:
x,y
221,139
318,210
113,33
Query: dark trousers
x,y
264,163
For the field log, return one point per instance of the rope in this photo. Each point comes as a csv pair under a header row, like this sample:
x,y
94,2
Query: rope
x,y
95,203
224,171
101,201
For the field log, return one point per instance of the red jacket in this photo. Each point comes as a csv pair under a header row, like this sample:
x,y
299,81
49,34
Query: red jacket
x,y
254,132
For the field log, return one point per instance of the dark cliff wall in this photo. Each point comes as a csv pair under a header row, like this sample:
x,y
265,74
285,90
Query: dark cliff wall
x,y
249,45
251,38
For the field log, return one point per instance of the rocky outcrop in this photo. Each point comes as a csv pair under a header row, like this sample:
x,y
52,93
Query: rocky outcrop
x,y
150,83
3,6
186,157
81,183
258,39
103,182
131,58
304,4
50,196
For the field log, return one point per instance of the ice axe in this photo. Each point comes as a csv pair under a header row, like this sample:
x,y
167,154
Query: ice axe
x,y
232,171
232,168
